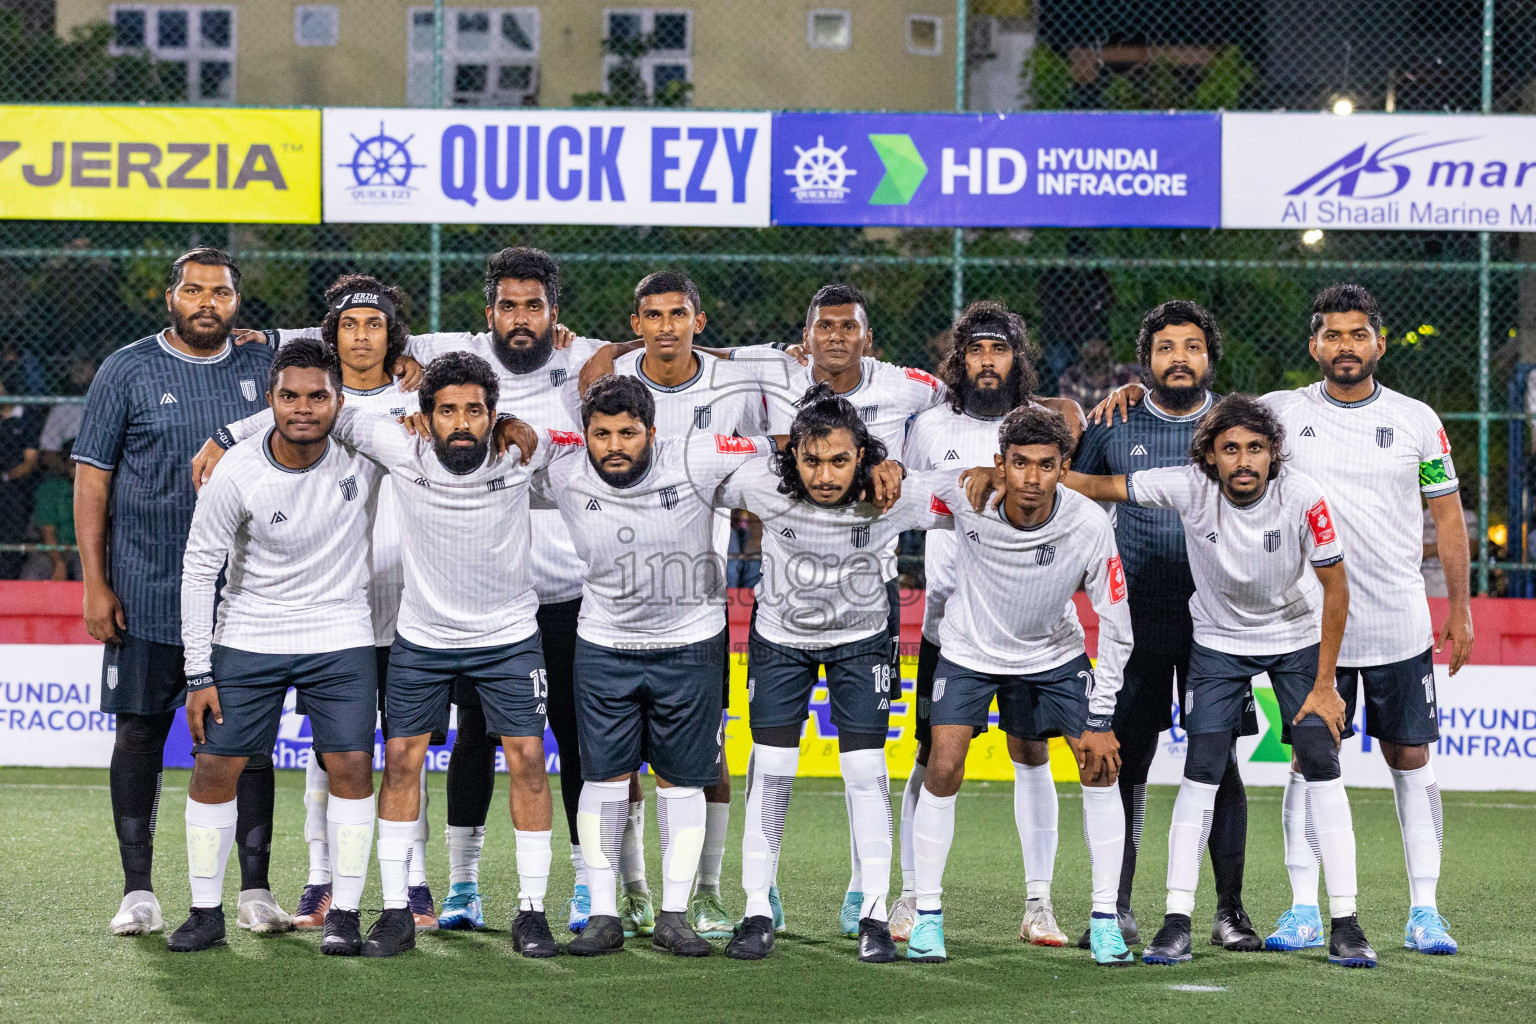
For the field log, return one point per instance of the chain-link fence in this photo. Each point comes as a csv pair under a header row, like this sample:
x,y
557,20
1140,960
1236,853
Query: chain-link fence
x,y
1460,308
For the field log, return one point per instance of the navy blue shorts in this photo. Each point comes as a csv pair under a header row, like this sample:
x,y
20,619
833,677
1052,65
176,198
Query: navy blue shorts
x,y
141,677
1031,707
1156,677
1400,704
1220,691
780,680
508,678
660,706
340,691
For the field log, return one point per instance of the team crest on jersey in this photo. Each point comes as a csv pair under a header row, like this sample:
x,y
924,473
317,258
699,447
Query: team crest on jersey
x,y
668,498
422,481
1384,437
557,377
498,484
348,488
869,412
701,415
861,536
248,388
1271,541
1045,554
938,687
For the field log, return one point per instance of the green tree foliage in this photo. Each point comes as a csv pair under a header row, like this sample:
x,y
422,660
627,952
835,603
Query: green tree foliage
x,y
40,67
626,81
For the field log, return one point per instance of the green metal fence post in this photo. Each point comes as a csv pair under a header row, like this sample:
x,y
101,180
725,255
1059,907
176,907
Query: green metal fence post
x,y
1484,328
957,240
435,264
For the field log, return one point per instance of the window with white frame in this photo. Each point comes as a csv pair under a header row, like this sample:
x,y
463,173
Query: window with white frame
x,y
196,42
490,56
670,56
828,30
925,35
316,25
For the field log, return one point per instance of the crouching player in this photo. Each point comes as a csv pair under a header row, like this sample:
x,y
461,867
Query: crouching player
x,y
1010,630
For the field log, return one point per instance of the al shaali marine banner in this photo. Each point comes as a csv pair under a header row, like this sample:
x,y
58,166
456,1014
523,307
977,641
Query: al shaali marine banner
x,y
1392,172
160,164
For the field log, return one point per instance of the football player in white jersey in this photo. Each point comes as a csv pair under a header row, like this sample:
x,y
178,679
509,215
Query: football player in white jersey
x,y
989,371
1253,527
821,603
651,642
1011,631
288,514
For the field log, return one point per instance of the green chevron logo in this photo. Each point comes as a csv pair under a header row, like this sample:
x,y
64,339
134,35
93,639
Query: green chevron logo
x,y
904,170
1270,748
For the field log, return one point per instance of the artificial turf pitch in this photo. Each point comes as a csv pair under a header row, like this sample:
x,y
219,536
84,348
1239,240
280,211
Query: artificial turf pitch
x,y
60,884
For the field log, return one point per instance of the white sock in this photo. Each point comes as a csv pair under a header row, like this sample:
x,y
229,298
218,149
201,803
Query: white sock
x,y
717,822
933,830
578,866
1035,815
680,812
350,825
464,845
869,805
770,776
1104,832
1328,809
1192,812
210,837
533,857
855,876
1418,813
632,858
601,817
395,838
418,870
1300,849
909,794
317,790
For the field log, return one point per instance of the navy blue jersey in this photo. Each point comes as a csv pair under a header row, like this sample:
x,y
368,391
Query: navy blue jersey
x,y
1151,540
147,413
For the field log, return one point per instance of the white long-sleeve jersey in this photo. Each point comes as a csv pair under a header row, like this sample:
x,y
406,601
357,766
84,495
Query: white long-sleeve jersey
x,y
1012,611
297,547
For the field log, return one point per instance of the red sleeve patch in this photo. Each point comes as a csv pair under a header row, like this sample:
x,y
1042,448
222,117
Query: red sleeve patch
x,y
1116,580
567,438
1321,522
937,507
735,445
1445,443
922,377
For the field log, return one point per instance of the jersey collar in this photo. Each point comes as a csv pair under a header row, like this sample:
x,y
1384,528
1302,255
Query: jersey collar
x,y
372,391
266,449
218,356
1055,508
1168,417
1322,389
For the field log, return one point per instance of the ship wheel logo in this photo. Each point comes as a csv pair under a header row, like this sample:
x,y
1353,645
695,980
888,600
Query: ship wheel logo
x,y
819,173
381,161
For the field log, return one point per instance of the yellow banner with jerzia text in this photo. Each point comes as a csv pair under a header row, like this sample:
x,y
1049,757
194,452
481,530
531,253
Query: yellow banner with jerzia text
x,y
201,164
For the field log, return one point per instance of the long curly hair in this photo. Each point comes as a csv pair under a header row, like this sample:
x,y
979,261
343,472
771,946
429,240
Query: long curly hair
x,y
1237,410
821,412
986,315
399,329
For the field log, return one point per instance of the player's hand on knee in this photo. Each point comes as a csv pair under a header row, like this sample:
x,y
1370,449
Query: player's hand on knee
x,y
408,372
980,484
1324,702
1098,756
104,616
200,702
1119,400
207,457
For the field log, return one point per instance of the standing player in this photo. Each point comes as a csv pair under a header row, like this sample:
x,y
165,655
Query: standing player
x,y
651,642
1252,528
1178,348
821,604
1011,631
153,403
289,513
692,394
988,372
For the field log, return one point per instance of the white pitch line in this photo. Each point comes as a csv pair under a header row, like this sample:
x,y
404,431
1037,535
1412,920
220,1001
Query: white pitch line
x,y
1198,988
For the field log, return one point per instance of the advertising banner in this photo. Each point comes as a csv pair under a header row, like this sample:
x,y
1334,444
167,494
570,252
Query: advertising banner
x,y
1398,172
998,170
160,164
461,166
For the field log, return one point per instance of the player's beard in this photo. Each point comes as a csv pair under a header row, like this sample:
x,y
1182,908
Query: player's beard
x,y
527,358
990,403
462,460
623,477
1179,396
1367,368
202,336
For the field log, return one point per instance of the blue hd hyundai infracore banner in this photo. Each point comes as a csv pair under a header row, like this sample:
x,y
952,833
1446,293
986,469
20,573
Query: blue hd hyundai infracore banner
x,y
998,170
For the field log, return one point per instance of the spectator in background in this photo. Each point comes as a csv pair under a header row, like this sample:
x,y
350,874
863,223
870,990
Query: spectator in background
x,y
19,429
939,347
1430,568
1095,375
53,516
63,423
